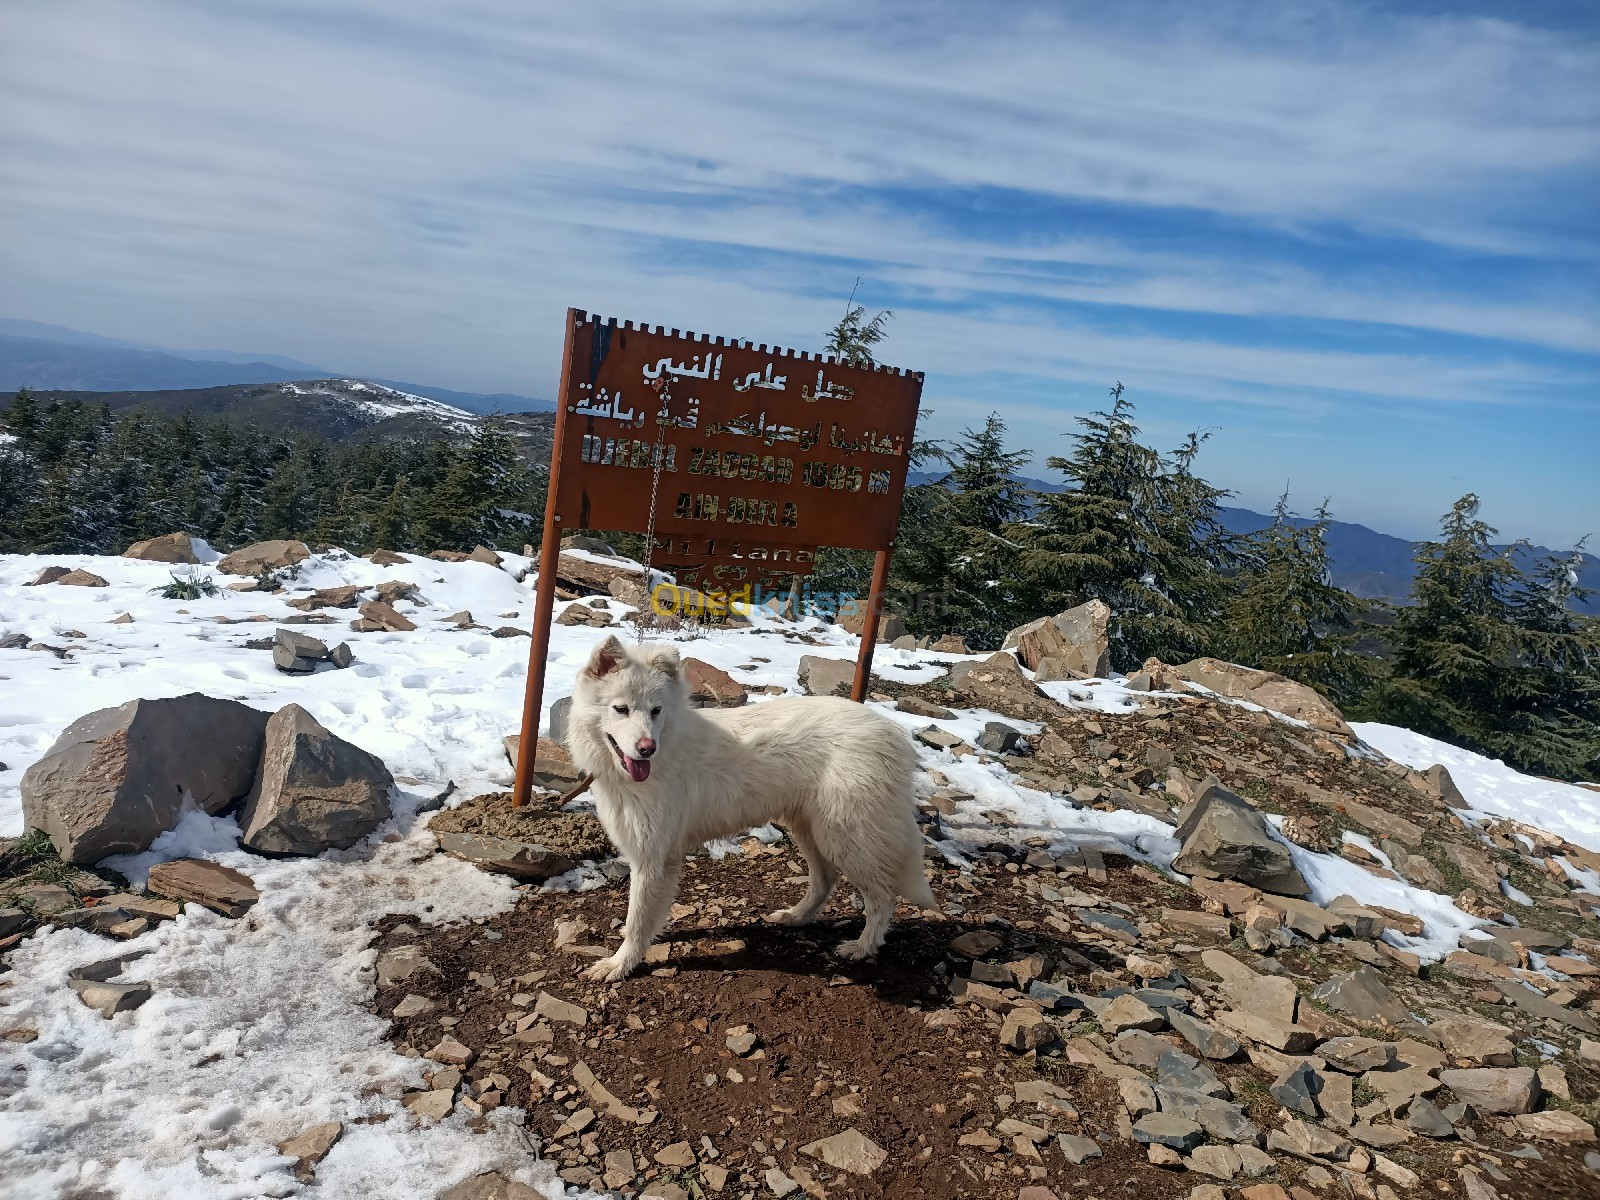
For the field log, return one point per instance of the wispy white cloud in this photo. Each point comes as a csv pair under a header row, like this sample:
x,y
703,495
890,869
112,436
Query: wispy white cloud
x,y
419,189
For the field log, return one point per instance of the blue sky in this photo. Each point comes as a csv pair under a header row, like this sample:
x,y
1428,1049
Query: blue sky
x,y
1357,241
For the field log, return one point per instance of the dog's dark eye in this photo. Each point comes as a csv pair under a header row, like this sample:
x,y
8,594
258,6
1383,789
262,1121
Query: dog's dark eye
x,y
655,712
620,709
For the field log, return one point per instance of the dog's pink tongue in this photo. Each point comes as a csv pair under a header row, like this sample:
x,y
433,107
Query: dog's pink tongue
x,y
639,768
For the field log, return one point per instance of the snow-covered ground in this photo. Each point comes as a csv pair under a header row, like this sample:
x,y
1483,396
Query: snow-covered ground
x,y
1493,789
258,1028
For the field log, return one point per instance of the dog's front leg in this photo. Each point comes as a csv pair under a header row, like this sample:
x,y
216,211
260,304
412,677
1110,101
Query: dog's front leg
x,y
651,888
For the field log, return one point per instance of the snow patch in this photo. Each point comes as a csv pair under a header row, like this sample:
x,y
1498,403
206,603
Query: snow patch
x,y
1493,789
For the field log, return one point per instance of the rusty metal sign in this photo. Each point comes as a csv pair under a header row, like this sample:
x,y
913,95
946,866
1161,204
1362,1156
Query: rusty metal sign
x,y
757,446
737,460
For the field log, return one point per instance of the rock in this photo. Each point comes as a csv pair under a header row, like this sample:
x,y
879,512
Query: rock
x,y
383,616
262,557
1436,782
826,676
1164,1129
115,779
1418,871
219,888
1357,1054
108,999
1297,1090
1079,637
434,1105
47,575
295,653
485,555
387,558
938,739
81,579
1500,1090
552,1008
997,682
508,856
1475,865
1270,691
1264,995
1196,924
1023,1030
1219,1162
491,1185
1210,1042
1279,1035
1309,1141
679,1154
1129,1012
401,963
1361,995
310,1147
1222,835
849,1151
334,597
950,643
413,1006
741,1040
712,687
853,619
582,573
778,1184
314,791
1482,1043
998,738
1555,1125
341,656
169,548
975,943
918,707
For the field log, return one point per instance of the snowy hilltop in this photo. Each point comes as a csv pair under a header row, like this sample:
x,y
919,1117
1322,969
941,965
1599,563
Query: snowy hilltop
x,y
1194,929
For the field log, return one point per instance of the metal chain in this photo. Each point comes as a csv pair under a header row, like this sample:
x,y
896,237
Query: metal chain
x,y
663,389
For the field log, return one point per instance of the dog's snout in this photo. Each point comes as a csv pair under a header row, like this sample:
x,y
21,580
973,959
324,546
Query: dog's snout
x,y
646,747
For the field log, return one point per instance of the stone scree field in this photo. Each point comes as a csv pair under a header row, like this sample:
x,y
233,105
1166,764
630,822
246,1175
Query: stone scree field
x,y
1197,937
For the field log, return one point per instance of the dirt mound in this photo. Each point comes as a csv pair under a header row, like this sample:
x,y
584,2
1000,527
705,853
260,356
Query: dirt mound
x,y
576,835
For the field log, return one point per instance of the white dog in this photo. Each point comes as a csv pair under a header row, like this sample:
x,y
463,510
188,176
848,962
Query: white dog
x,y
669,777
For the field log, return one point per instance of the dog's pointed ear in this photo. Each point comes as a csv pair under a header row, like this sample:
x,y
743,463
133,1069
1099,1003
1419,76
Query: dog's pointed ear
x,y
665,659
607,657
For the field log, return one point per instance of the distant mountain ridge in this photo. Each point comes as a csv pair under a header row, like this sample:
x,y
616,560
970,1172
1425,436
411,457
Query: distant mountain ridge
x,y
1366,563
54,358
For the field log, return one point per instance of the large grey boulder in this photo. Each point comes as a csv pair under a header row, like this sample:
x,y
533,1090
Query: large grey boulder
x,y
315,791
1224,837
116,779
1078,637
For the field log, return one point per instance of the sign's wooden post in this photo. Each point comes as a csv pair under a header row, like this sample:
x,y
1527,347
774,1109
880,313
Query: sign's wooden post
x,y
544,599
756,458
869,628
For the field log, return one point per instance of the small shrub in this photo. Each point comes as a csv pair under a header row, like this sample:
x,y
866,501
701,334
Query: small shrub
x,y
190,586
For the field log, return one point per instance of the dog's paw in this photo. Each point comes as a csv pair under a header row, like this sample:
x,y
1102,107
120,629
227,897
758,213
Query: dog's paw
x,y
785,916
855,951
608,970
